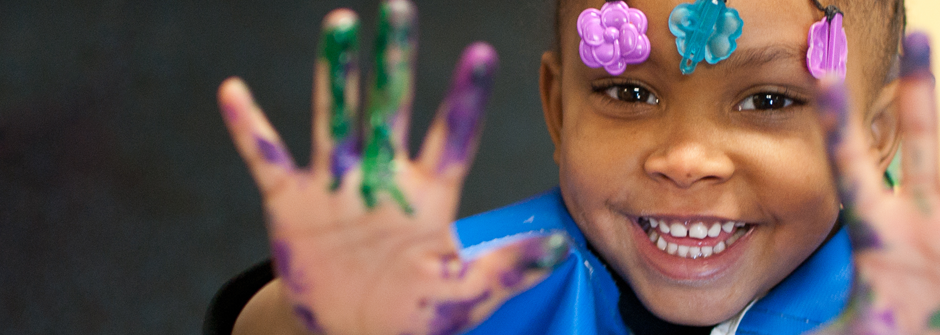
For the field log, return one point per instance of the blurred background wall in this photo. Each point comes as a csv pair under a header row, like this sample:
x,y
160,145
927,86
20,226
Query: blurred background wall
x,y
123,205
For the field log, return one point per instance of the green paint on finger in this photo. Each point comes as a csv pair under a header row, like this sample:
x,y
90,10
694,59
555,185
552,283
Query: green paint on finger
x,y
393,77
340,47
934,320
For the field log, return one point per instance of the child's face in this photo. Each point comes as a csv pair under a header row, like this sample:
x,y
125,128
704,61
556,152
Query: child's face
x,y
738,141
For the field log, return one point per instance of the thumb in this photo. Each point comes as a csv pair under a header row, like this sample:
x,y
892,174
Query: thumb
x,y
480,285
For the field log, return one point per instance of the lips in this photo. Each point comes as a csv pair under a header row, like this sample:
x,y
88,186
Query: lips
x,y
692,238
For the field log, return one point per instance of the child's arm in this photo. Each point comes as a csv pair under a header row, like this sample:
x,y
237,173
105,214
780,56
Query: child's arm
x,y
361,239
896,236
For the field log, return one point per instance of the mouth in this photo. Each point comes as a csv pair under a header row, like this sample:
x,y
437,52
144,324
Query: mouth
x,y
699,238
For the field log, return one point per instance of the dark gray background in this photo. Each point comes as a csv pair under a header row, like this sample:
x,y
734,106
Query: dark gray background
x,y
123,205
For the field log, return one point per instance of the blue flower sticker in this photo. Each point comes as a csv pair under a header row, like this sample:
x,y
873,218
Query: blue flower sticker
x,y
706,30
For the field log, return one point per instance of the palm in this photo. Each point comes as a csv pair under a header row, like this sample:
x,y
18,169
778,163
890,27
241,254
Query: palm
x,y
361,239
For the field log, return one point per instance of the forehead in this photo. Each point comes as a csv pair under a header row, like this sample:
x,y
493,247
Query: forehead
x,y
766,23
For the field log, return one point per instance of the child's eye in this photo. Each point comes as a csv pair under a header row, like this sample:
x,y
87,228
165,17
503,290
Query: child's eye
x,y
632,94
766,101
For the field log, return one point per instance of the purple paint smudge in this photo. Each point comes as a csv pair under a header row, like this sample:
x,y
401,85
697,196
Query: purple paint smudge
x,y
512,277
916,59
446,272
345,155
470,90
229,113
452,316
832,101
271,152
282,258
308,319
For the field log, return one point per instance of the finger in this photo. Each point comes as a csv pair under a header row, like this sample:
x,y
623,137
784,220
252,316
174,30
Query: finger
x,y
856,176
481,283
257,142
918,121
452,141
390,99
336,87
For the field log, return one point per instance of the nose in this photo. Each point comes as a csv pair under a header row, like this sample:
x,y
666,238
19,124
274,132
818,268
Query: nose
x,y
688,163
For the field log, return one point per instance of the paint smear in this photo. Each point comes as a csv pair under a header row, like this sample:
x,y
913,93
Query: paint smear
x,y
452,316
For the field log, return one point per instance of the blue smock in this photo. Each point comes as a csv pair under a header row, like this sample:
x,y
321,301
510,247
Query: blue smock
x,y
580,296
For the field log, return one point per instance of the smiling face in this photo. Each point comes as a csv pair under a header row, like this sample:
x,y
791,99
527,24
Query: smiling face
x,y
732,155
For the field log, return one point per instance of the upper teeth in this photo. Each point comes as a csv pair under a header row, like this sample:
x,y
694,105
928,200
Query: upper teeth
x,y
697,230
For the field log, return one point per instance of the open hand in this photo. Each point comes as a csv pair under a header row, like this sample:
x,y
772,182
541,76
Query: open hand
x,y
361,239
896,236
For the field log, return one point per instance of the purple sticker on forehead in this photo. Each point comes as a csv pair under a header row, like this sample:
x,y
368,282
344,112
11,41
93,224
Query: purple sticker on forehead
x,y
828,48
613,37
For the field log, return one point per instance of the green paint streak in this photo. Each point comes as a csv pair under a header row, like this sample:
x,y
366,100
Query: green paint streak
x,y
393,78
934,320
339,47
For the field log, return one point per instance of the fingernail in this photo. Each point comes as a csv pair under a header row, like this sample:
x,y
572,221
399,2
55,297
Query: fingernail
x,y
916,58
470,91
308,319
546,252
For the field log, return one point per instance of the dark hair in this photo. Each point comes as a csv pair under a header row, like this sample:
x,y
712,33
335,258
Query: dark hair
x,y
884,38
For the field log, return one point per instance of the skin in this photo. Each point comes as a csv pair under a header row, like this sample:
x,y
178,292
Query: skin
x,y
695,155
345,267
368,248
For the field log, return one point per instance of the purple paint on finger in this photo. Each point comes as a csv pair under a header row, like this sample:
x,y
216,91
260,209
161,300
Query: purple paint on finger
x,y
229,113
448,270
512,277
308,319
832,102
345,155
916,58
271,152
452,316
470,90
281,253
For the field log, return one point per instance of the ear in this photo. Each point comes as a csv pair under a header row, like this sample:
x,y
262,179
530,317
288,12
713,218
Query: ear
x,y
550,89
885,126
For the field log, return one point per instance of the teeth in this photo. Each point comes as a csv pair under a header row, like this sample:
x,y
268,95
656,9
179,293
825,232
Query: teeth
x,y
719,247
714,231
664,228
683,251
661,244
698,230
678,230
707,251
728,227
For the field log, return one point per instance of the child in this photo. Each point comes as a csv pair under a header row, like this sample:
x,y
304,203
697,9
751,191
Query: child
x,y
693,198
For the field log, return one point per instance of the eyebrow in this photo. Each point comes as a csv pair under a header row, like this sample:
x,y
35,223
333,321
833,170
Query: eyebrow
x,y
755,57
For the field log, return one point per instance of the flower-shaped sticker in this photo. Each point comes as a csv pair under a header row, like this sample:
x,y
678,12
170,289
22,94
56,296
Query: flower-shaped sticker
x,y
828,47
706,30
613,37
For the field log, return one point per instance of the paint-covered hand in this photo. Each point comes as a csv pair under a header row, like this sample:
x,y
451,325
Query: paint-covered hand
x,y
362,239
896,235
